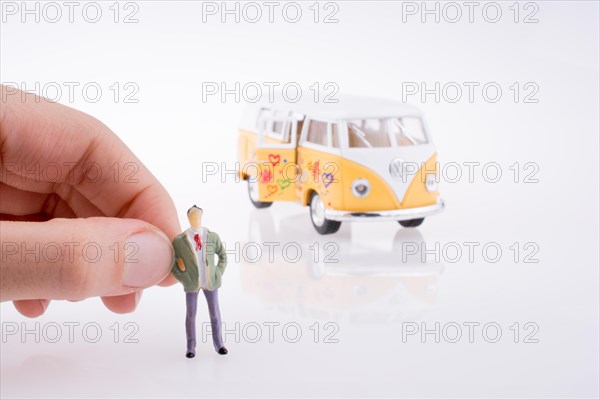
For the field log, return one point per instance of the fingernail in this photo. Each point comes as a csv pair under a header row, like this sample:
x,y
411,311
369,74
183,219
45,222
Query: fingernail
x,y
138,296
148,257
44,304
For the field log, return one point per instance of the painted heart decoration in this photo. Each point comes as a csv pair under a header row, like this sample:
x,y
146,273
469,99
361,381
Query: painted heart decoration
x,y
327,179
283,183
271,189
274,159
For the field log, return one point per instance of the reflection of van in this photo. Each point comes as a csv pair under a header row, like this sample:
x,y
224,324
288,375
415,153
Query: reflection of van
x,y
358,159
351,280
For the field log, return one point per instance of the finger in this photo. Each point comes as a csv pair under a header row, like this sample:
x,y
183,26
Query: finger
x,y
18,202
170,280
21,197
21,203
80,258
123,304
31,308
37,135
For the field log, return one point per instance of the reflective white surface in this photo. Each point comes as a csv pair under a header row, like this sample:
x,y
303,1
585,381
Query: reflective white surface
x,y
377,290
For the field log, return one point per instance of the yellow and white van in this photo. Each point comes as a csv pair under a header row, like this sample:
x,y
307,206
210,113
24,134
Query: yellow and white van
x,y
360,159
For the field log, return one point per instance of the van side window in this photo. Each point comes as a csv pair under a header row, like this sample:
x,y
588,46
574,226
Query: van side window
x,y
317,133
277,127
281,129
299,130
335,141
263,115
371,132
287,130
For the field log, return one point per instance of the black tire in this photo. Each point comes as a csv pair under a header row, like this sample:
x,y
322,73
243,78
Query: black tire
x,y
327,226
257,204
411,223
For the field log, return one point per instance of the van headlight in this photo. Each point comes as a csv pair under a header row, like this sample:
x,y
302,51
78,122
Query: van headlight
x,y
361,187
431,183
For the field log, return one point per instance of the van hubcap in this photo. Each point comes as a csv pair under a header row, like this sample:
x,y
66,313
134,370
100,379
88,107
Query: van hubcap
x,y
317,211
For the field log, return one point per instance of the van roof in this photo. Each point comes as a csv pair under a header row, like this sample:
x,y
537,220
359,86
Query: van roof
x,y
347,107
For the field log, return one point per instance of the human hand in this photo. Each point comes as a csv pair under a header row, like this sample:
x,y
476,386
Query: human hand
x,y
70,227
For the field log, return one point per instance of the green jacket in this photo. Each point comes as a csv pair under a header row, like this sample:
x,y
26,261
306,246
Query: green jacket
x,y
189,277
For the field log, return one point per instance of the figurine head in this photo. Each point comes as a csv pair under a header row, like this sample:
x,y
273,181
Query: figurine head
x,y
194,215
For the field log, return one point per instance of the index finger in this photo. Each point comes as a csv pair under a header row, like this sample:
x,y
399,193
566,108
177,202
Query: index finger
x,y
35,131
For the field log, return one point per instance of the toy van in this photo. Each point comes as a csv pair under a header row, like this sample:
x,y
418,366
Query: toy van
x,y
360,159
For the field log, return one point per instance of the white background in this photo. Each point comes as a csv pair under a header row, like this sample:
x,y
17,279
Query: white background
x,y
371,292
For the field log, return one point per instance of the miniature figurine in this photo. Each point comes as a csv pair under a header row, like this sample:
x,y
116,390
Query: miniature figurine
x,y
358,159
195,268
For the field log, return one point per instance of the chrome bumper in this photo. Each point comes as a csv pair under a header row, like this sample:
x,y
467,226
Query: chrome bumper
x,y
387,215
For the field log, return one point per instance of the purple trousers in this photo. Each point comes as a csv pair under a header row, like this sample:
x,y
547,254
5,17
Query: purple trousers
x,y
212,299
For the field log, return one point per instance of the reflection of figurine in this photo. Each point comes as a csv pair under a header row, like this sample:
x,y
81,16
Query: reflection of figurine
x,y
195,268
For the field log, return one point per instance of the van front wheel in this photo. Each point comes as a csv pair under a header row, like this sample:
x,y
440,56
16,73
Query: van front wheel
x,y
411,223
317,215
253,194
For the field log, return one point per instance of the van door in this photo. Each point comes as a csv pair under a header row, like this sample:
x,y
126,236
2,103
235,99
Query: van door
x,y
276,155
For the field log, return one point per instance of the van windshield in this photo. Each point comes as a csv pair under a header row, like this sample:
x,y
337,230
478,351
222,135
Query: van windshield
x,y
386,132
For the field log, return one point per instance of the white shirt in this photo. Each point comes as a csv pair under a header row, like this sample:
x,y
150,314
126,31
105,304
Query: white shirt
x,y
203,279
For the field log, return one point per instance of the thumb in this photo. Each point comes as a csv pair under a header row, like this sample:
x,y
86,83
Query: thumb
x,y
76,258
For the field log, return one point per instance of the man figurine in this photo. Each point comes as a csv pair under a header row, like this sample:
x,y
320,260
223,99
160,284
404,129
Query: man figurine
x,y
195,268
